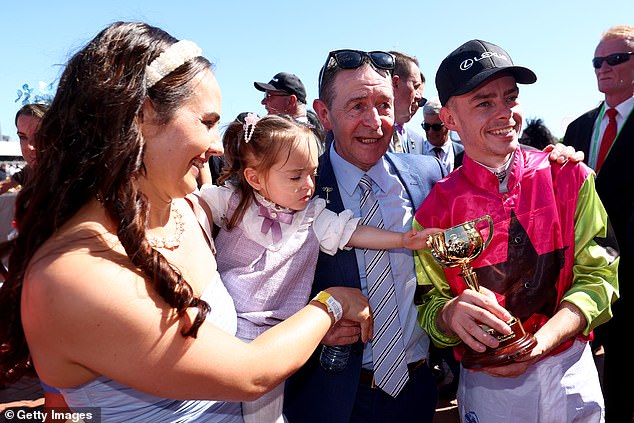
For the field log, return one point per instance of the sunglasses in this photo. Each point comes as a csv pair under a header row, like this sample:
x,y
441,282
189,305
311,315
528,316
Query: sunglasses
x,y
434,126
352,59
613,59
268,95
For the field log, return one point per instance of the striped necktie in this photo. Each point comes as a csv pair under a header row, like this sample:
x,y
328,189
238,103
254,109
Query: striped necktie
x,y
396,141
388,351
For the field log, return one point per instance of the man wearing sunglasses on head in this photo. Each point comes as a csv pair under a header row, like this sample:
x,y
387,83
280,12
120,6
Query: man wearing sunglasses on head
x,y
606,135
356,102
437,142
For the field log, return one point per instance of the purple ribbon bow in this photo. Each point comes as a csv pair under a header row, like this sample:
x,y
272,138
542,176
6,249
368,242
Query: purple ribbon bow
x,y
272,219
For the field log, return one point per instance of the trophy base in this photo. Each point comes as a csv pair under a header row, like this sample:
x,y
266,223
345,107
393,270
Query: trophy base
x,y
512,346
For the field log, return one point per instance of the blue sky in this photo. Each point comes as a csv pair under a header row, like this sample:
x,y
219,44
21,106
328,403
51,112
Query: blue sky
x,y
253,40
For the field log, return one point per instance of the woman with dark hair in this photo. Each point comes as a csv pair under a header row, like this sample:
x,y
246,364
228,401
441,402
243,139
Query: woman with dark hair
x,y
112,292
27,120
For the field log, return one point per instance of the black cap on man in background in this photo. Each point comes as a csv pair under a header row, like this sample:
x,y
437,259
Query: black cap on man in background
x,y
286,82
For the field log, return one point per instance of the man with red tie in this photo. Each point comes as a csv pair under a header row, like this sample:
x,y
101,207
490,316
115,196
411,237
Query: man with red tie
x,y
606,136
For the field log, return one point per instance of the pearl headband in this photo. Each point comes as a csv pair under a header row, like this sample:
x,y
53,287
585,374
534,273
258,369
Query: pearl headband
x,y
175,55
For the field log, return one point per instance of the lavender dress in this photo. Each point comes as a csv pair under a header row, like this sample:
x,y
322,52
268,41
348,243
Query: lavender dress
x,y
270,279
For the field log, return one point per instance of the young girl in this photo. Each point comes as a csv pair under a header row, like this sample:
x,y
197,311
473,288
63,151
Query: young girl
x,y
272,229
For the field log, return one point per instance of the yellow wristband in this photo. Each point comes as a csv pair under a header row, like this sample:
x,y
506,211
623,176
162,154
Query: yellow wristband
x,y
333,306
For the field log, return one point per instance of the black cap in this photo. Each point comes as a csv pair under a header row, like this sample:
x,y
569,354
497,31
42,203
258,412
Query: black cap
x,y
287,82
471,64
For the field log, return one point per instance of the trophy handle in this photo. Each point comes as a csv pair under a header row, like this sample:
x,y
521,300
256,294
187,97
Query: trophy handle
x,y
487,218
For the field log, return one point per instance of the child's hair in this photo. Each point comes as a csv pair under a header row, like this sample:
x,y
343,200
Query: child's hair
x,y
265,143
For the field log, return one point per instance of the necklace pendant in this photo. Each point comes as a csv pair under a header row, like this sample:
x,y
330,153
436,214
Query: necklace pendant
x,y
174,241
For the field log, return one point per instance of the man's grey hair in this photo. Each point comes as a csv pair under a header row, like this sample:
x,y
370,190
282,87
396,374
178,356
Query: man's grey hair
x,y
432,107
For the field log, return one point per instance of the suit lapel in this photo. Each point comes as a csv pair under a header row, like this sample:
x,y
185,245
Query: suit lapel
x,y
587,125
326,184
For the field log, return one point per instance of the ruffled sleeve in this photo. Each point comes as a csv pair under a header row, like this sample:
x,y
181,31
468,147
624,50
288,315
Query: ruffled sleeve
x,y
218,199
333,230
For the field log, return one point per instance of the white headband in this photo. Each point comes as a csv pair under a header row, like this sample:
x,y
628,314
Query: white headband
x,y
175,55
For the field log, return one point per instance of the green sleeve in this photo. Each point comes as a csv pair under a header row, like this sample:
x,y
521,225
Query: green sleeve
x,y
431,278
595,281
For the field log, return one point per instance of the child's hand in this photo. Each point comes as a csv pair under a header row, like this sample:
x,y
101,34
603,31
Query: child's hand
x,y
416,240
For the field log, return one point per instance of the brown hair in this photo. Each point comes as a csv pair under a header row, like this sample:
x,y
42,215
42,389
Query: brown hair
x,y
402,64
36,110
273,136
90,145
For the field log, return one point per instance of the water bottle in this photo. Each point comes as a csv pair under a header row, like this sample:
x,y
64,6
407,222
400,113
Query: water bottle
x,y
334,358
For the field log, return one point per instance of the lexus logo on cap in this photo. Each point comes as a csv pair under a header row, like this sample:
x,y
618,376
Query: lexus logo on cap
x,y
467,63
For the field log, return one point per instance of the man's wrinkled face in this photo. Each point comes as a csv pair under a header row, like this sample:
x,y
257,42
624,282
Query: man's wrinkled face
x,y
436,132
617,79
361,115
276,102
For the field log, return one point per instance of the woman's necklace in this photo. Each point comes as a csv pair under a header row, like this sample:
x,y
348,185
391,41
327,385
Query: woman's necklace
x,y
174,241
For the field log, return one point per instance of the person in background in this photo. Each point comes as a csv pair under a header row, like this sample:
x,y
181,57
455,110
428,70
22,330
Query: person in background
x,y
115,258
606,135
536,134
437,142
272,230
356,98
284,94
551,261
27,120
409,84
318,129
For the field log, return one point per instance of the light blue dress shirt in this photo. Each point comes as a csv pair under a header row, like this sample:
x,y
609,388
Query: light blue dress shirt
x,y
397,211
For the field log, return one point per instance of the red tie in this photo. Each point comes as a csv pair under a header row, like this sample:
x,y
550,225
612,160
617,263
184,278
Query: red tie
x,y
608,137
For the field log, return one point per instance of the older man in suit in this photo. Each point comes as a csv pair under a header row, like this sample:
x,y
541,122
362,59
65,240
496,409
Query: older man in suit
x,y
438,142
356,100
606,136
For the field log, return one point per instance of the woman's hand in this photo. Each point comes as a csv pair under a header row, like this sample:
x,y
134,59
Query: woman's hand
x,y
355,308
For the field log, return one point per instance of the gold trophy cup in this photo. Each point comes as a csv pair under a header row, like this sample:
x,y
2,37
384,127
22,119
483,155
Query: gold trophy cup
x,y
458,246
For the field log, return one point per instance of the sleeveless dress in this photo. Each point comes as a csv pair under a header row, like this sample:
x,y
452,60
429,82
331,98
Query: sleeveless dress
x,y
120,403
